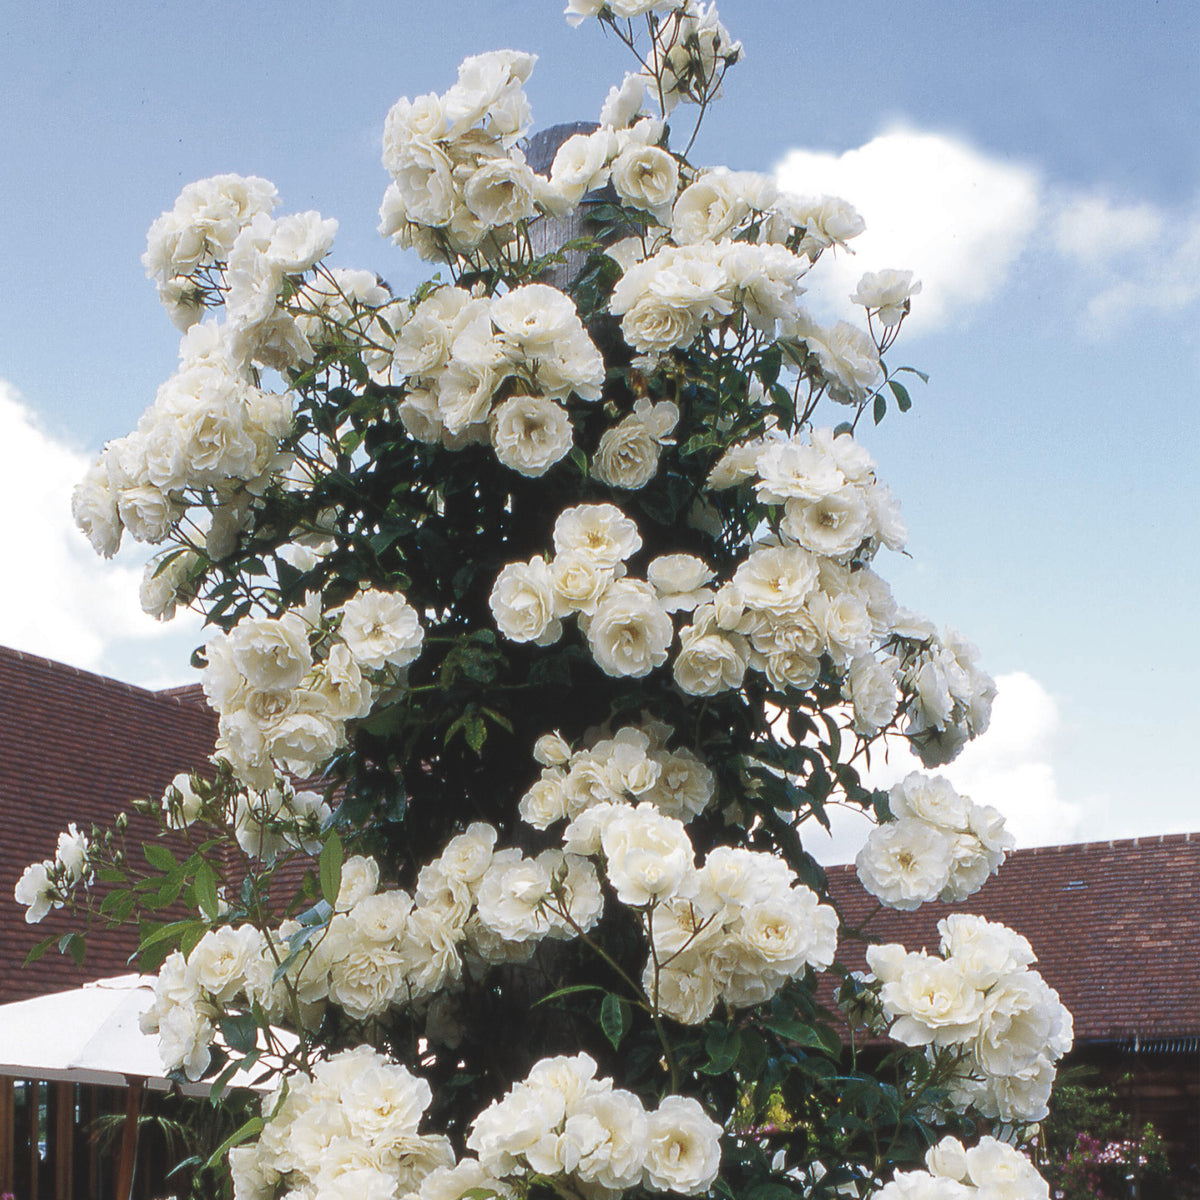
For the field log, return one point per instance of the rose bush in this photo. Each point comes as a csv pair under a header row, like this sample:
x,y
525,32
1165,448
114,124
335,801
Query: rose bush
x,y
563,601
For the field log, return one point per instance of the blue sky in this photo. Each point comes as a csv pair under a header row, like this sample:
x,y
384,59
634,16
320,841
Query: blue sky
x,y
1036,164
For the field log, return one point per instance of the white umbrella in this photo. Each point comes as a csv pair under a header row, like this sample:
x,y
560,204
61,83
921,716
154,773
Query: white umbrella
x,y
91,1035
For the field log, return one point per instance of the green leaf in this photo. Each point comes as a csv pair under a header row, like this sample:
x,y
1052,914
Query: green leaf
x,y
614,1018
74,945
903,400
159,857
568,991
880,407
240,1135
329,867
722,1046
40,949
811,1037
205,889
240,1032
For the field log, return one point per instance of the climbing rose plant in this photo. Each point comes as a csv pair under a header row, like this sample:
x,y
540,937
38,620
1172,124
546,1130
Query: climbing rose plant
x,y
543,622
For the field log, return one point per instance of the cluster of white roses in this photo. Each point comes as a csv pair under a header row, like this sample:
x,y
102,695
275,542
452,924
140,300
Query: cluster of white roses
x,y
473,907
44,885
980,1005
347,1132
340,307
948,696
731,249
940,844
632,766
210,437
220,245
350,1132
210,442
586,577
799,599
281,704
459,183
991,1170
735,929
664,301
563,1121
458,351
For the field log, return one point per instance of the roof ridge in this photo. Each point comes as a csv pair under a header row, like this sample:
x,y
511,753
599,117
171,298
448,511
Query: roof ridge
x,y
62,668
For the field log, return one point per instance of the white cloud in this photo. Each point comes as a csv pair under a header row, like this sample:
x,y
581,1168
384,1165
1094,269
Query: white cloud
x,y
1010,767
932,203
1093,230
1136,258
61,601
960,217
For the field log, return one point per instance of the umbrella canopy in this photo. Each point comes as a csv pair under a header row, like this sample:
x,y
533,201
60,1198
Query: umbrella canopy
x,y
91,1035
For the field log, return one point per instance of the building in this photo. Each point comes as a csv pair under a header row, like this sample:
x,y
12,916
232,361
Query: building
x,y
1116,928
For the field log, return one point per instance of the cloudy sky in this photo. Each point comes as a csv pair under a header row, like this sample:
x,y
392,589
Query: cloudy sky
x,y
1036,164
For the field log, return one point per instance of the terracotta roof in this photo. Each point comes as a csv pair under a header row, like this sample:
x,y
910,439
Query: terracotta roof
x,y
1115,925
79,747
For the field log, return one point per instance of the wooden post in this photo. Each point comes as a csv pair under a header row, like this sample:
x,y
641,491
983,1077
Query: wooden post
x,y
8,1142
62,1143
129,1139
33,1091
551,233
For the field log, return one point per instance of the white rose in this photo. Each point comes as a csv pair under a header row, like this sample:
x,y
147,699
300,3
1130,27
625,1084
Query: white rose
x,y
629,633
930,1002
35,890
523,603
365,976
1023,1021
776,580
381,628
930,798
886,293
683,1152
791,470
870,688
614,1154
220,960
685,786
180,803
545,802
984,950
645,177
905,863
627,456
94,508
580,165
685,990
679,580
709,661
530,434
552,750
833,526
360,878
1002,1172
647,856
600,531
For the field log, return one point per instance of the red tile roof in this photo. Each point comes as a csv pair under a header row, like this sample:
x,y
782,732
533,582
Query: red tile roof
x,y
1115,925
79,747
